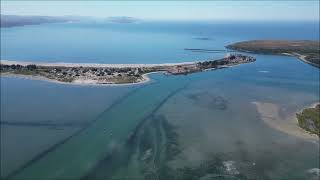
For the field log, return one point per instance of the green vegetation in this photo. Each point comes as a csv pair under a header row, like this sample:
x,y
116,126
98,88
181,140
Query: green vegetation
x,y
308,51
309,119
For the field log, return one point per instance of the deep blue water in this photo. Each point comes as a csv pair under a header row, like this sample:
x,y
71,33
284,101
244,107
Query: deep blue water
x,y
143,42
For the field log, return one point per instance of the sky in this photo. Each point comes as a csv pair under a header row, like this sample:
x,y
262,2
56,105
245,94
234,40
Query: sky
x,y
171,10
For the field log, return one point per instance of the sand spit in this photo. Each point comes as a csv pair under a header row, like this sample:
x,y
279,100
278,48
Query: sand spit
x,y
112,74
301,57
87,81
96,65
270,114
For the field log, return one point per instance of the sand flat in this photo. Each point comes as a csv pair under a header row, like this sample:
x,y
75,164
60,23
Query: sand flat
x,y
270,114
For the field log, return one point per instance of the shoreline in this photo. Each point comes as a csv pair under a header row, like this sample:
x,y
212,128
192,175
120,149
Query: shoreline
x,y
300,57
305,50
313,105
269,114
111,74
92,65
146,79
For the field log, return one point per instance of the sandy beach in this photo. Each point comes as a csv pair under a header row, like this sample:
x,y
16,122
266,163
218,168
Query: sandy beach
x,y
300,57
63,64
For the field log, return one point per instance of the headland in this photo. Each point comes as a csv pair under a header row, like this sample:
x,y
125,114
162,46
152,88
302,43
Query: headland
x,y
305,50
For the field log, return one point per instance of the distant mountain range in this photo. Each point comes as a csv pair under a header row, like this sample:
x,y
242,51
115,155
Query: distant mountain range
x,y
14,20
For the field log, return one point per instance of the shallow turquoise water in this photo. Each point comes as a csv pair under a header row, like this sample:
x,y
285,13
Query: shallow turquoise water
x,y
223,122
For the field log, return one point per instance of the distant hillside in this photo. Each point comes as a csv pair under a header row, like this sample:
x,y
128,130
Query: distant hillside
x,y
13,20
306,50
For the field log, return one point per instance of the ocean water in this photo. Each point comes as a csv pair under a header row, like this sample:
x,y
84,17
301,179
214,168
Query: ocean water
x,y
199,126
144,42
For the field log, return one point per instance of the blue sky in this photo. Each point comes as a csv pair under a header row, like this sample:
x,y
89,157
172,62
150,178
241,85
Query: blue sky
x,y
170,10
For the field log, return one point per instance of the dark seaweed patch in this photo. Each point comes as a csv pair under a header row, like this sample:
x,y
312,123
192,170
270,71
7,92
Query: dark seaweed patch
x,y
212,168
43,124
207,100
57,145
146,152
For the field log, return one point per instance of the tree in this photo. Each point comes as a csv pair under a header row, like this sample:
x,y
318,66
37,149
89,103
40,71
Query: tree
x,y
31,67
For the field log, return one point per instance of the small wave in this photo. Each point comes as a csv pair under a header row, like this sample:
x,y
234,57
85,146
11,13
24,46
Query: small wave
x,y
313,173
230,167
203,38
263,71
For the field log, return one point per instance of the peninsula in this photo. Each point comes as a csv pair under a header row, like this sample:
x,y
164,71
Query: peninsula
x,y
112,73
306,50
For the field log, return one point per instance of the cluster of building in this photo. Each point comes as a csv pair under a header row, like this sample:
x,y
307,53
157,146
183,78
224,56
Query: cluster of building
x,y
91,71
68,74
119,75
228,60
